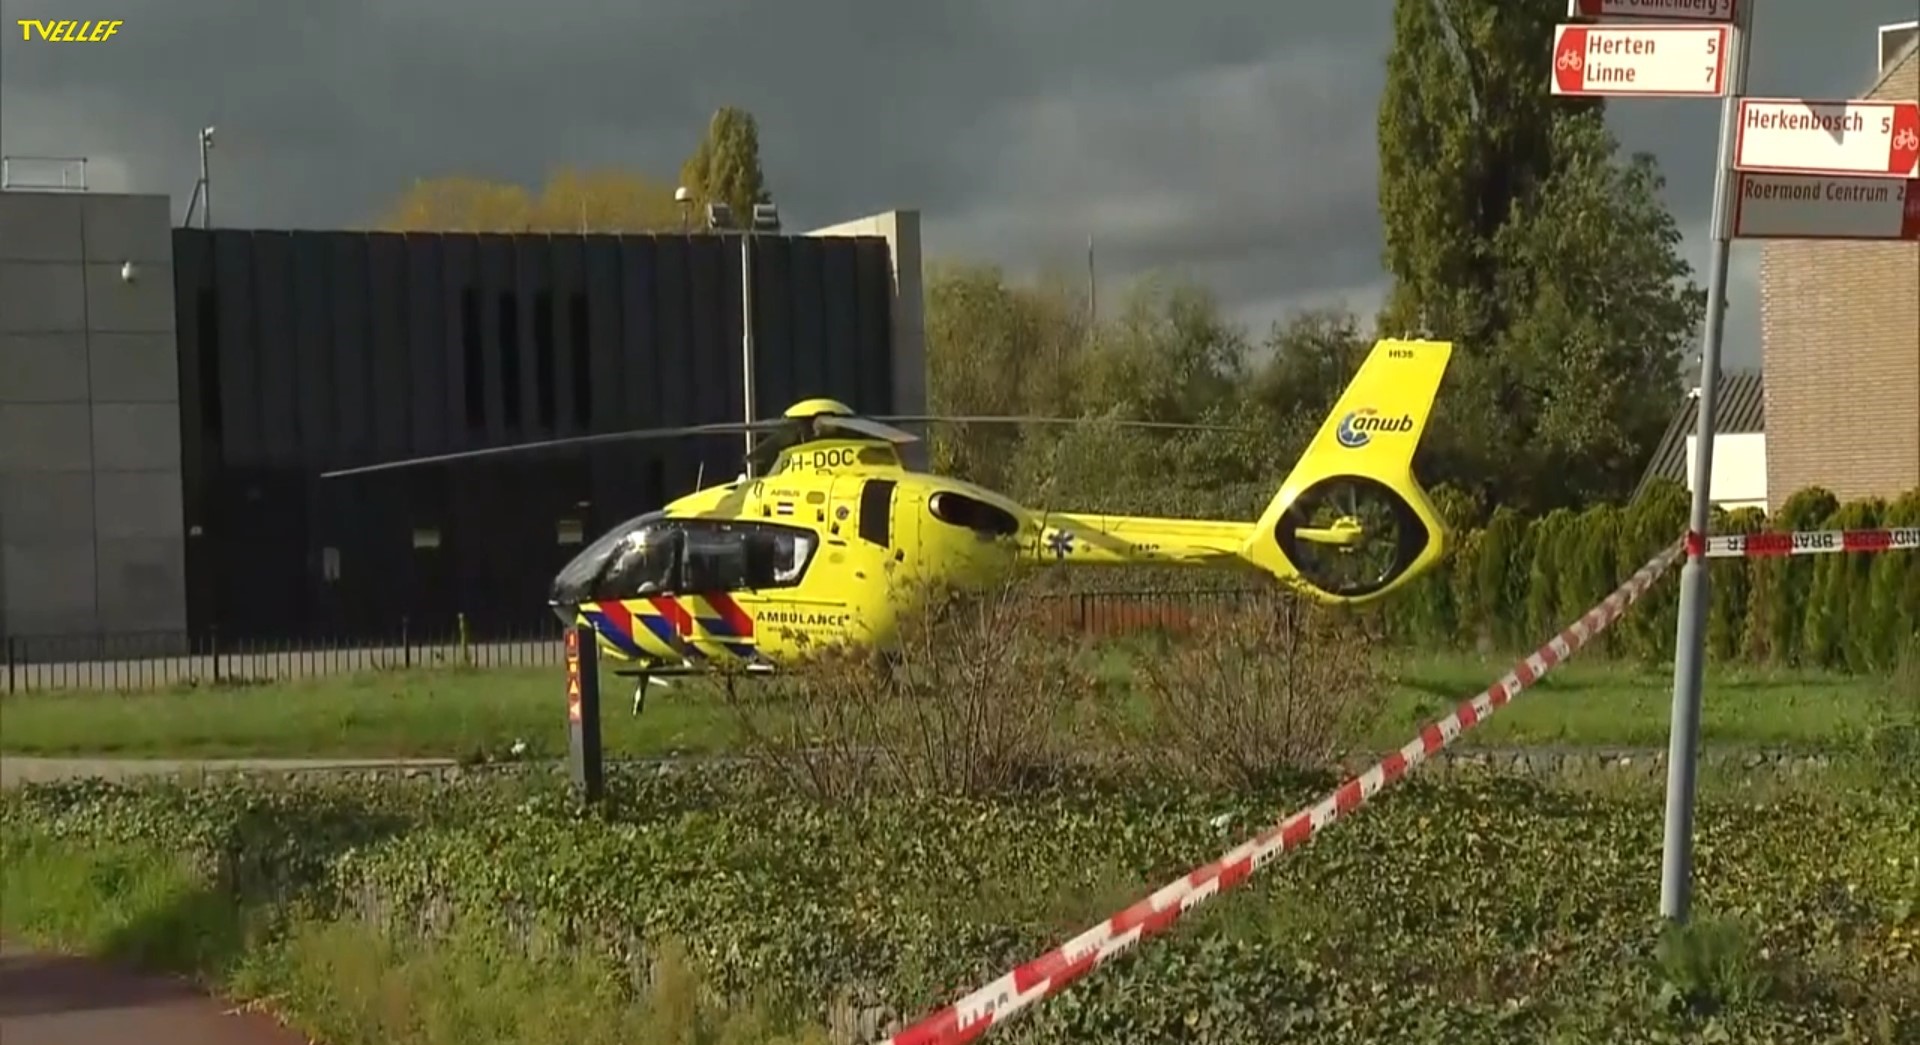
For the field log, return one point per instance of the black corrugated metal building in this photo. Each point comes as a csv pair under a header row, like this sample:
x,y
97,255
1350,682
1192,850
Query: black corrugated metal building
x,y
303,351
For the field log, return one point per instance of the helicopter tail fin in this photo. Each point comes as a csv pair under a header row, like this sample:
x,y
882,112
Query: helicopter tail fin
x,y
1366,444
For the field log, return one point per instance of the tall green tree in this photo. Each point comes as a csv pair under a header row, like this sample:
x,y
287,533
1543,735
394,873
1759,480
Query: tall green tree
x,y
1513,229
725,166
997,348
1167,354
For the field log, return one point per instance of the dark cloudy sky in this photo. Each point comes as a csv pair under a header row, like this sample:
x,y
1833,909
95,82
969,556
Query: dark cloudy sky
x,y
1230,139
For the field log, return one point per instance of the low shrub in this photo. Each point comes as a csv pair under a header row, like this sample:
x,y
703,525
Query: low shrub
x,y
923,720
1273,686
1263,686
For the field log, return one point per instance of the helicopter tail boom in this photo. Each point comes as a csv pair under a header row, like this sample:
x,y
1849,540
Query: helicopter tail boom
x,y
1129,540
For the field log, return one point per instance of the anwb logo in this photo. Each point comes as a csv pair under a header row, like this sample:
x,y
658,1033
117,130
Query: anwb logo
x,y
1357,428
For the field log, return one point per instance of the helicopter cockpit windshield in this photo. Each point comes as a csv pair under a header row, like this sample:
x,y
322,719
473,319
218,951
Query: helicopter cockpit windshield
x,y
654,555
637,557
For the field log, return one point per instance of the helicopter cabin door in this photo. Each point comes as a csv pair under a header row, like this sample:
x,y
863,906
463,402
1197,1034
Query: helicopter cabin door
x,y
788,578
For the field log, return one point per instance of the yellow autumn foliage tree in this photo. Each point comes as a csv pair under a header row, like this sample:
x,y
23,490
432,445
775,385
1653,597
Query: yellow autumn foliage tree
x,y
603,200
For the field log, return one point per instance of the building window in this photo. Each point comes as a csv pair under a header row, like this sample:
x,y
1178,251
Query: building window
x,y
475,360
510,360
577,333
206,310
545,395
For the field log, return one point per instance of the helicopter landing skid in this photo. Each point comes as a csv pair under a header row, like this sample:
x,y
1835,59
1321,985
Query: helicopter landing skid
x,y
648,676
640,691
658,676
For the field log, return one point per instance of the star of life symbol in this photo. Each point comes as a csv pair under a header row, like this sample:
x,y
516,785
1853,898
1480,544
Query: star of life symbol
x,y
1571,60
1906,139
1060,542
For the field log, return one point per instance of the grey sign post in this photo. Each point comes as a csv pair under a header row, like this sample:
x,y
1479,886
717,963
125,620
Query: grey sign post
x,y
1683,739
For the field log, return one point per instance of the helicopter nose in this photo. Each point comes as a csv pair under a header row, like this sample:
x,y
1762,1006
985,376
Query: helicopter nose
x,y
566,591
573,584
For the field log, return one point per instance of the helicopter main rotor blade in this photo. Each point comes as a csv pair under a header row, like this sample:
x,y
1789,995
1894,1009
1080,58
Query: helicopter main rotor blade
x,y
865,426
604,438
1015,419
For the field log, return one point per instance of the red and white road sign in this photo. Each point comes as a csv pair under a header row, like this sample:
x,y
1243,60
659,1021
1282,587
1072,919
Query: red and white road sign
x,y
1658,61
1811,542
1814,206
1661,10
1797,136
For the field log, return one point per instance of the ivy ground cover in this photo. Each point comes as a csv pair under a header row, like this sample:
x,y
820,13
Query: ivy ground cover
x,y
1482,910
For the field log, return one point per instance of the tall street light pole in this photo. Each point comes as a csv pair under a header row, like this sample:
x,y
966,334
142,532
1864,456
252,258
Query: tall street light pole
x,y
764,219
206,185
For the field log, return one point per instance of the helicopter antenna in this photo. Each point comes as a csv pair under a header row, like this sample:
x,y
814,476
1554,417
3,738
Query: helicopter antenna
x,y
700,476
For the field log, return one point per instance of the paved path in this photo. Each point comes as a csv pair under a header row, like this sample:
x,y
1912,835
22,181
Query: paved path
x,y
52,1000
19,769
22,769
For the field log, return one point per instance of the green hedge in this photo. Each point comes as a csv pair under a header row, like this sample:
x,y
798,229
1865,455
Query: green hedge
x,y
1511,582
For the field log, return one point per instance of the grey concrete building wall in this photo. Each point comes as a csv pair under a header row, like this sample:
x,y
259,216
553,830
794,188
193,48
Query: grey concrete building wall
x,y
91,547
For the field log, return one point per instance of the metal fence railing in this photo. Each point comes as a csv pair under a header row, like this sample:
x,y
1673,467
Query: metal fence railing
x,y
63,173
160,660
157,660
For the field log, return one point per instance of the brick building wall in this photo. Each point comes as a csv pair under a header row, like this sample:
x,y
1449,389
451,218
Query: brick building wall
x,y
1840,336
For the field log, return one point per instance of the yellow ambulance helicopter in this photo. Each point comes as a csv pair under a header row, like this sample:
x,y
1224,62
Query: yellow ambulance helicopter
x,y
753,574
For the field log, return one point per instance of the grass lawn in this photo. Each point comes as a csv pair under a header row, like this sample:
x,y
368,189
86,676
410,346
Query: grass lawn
x,y
343,981
1604,703
462,713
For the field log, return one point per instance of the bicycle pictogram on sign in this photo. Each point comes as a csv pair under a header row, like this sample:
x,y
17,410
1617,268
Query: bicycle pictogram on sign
x,y
1570,60
1907,138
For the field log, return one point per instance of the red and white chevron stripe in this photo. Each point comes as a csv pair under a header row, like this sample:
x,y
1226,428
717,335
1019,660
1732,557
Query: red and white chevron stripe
x,y
1811,542
978,1012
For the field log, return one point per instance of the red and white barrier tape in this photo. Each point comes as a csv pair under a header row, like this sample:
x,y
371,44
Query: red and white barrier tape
x,y
978,1012
1811,542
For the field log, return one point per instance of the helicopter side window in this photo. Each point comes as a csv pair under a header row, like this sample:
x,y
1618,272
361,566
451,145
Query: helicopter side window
x,y
744,556
783,555
715,560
